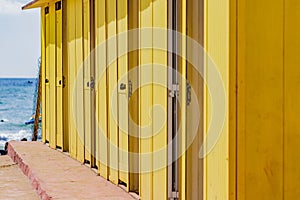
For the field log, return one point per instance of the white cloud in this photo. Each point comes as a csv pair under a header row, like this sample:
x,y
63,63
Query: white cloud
x,y
10,7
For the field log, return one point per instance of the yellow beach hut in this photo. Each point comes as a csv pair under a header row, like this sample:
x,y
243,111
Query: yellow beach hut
x,y
176,99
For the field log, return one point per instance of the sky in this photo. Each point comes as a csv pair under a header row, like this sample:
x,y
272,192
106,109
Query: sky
x,y
19,40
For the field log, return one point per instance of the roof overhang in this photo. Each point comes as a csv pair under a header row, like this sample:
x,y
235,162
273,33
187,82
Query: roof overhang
x,y
36,4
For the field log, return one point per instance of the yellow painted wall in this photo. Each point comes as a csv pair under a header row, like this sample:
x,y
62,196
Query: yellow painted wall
x,y
260,100
267,109
291,77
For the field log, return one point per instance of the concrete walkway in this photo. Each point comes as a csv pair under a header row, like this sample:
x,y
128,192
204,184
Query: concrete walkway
x,y
13,184
55,175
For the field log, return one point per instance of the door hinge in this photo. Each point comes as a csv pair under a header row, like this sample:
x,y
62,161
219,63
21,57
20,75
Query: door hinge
x,y
174,90
64,81
129,88
188,93
92,83
174,195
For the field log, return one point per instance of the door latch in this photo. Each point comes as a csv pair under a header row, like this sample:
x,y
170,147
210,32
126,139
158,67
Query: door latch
x,y
188,93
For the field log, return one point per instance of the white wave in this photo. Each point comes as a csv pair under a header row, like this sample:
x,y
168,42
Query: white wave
x,y
6,137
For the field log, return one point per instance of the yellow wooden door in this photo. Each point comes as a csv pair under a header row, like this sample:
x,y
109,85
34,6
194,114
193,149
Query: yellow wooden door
x,y
59,81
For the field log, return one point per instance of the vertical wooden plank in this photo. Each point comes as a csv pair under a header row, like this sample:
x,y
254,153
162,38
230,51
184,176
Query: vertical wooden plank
x,y
160,95
194,120
260,99
291,99
71,74
205,94
79,82
232,99
59,84
52,75
122,28
93,112
111,12
217,167
65,78
146,99
133,76
86,81
101,91
43,68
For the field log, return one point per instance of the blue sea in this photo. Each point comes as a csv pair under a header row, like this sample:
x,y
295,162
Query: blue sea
x,y
16,107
